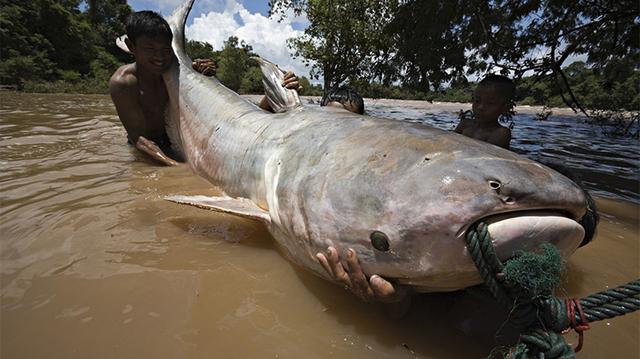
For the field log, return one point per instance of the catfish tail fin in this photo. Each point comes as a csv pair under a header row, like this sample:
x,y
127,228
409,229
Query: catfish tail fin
x,y
177,21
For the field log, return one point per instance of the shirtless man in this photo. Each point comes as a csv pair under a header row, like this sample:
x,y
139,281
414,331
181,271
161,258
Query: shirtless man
x,y
137,89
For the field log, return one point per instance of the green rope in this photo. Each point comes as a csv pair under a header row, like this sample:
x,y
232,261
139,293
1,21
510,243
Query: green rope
x,y
526,282
542,344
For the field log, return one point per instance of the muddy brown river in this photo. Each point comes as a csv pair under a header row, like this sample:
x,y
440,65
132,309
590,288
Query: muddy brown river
x,y
95,264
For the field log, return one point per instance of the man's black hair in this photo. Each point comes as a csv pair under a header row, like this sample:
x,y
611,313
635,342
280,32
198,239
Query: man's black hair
x,y
344,95
503,84
148,23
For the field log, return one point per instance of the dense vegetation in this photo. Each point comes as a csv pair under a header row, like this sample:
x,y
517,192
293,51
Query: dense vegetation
x,y
51,45
430,48
593,88
69,46
236,69
385,49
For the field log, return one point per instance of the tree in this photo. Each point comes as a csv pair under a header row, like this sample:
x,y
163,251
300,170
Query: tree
x,y
107,17
48,40
40,36
429,43
233,62
340,41
200,50
251,81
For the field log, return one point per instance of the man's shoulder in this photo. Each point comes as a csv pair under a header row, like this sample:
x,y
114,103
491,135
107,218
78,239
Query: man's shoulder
x,y
501,137
124,79
504,131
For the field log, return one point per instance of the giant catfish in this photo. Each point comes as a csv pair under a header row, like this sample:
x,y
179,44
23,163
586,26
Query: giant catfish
x,y
402,195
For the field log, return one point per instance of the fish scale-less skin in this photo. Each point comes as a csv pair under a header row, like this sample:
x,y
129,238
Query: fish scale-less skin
x,y
331,177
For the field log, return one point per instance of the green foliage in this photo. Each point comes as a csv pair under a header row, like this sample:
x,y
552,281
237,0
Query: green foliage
x,y
234,61
69,75
427,45
251,81
613,87
52,41
308,89
108,21
200,50
235,68
338,44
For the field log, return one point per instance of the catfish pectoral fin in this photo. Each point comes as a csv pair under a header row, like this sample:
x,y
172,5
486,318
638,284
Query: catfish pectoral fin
x,y
280,98
241,207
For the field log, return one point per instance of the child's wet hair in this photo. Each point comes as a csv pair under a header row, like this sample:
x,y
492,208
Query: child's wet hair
x,y
503,84
344,95
148,23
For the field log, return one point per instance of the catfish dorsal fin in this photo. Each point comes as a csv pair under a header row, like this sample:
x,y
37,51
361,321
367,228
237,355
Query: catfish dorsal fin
x,y
242,207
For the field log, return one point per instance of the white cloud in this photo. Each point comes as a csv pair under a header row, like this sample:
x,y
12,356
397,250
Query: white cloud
x,y
267,36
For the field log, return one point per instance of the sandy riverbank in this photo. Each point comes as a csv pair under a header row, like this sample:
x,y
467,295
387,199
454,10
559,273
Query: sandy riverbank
x,y
434,106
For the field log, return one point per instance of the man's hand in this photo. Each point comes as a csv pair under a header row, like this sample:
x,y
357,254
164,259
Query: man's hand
x,y
151,148
374,289
205,66
292,83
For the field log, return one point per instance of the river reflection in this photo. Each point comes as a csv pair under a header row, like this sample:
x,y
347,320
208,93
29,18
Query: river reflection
x,y
94,264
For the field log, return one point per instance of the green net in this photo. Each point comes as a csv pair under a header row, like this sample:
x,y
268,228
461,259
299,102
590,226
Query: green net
x,y
536,274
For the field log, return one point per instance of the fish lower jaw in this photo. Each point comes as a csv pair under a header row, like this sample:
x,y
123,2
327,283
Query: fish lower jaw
x,y
527,230
510,233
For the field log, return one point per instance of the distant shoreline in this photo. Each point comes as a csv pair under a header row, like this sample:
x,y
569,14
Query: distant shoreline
x,y
454,107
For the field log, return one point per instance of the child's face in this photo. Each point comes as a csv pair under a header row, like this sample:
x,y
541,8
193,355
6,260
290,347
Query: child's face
x,y
154,54
488,104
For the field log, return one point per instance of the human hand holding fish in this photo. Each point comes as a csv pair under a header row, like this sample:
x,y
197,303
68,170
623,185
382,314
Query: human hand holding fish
x,y
292,82
206,67
151,148
375,288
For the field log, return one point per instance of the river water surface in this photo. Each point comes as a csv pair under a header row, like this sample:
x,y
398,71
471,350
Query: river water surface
x,y
94,264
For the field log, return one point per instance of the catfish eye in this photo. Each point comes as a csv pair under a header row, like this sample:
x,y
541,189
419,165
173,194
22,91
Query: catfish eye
x,y
379,240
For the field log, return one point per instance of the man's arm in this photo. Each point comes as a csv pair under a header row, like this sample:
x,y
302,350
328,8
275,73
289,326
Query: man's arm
x,y
124,93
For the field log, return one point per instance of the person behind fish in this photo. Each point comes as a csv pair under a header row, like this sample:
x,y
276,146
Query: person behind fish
x,y
137,89
344,97
492,98
208,68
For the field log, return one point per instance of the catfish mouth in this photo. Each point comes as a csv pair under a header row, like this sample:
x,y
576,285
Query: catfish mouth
x,y
558,212
527,230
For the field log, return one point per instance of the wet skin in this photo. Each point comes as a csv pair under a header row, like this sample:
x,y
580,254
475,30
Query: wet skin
x,y
140,97
488,105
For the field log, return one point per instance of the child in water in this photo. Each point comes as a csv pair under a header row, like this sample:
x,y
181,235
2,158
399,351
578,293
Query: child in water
x,y
493,97
344,97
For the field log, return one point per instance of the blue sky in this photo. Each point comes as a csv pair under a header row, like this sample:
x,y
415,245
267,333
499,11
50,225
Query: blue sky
x,y
214,21
165,7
